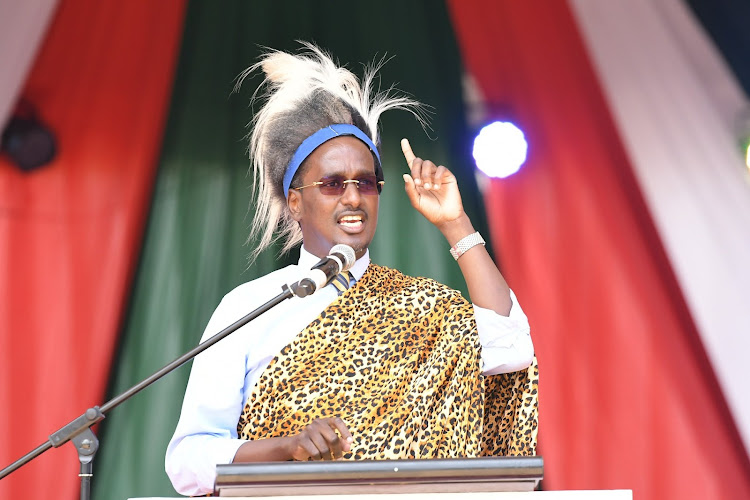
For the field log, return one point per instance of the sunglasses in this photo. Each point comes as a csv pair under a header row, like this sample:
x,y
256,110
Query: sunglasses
x,y
335,185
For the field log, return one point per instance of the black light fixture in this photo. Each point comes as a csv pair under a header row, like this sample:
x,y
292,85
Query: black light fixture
x,y
28,141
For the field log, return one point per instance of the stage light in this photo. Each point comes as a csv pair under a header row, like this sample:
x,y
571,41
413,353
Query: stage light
x,y
500,149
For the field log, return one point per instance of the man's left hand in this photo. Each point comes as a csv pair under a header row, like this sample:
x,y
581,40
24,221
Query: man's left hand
x,y
431,189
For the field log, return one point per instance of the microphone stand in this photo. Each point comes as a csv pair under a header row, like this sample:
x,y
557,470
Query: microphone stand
x,y
79,429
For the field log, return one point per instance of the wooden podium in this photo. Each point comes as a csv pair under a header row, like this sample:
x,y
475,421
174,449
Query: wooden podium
x,y
482,478
448,475
507,495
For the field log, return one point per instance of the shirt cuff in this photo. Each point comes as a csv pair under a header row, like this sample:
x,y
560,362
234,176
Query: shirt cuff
x,y
506,340
191,465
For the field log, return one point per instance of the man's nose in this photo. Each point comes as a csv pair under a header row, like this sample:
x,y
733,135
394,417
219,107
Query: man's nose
x,y
351,195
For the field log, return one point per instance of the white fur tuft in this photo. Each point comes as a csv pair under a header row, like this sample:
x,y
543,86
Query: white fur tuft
x,y
289,80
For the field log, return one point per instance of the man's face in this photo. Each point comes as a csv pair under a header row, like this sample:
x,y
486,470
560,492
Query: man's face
x,y
327,220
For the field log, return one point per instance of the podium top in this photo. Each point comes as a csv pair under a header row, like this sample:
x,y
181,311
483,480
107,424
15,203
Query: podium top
x,y
525,495
482,474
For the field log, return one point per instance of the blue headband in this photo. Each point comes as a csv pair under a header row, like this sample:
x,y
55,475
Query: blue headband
x,y
311,143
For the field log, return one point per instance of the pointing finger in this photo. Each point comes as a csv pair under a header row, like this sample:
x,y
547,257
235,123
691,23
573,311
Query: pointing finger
x,y
408,153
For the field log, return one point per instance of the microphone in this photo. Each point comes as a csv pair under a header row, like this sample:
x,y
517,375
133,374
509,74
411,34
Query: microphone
x,y
339,259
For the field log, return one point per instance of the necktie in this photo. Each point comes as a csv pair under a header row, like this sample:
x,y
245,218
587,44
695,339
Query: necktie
x,y
342,281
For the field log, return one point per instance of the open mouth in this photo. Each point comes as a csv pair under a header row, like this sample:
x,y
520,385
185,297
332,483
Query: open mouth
x,y
351,222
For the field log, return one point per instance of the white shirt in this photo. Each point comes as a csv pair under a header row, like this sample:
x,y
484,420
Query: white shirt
x,y
223,376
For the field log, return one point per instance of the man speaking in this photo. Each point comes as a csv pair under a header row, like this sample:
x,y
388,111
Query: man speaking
x,y
376,365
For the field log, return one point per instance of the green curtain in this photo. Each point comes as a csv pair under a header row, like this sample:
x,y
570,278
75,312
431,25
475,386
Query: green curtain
x,y
195,251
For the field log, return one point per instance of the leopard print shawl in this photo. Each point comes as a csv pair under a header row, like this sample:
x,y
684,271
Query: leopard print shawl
x,y
398,358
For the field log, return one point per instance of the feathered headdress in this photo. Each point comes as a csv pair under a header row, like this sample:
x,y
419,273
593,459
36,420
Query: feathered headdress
x,y
302,95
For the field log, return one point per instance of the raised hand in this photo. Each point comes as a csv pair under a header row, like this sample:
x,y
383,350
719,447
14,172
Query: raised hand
x,y
431,189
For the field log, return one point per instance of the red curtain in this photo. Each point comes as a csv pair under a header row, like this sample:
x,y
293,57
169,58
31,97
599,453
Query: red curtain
x,y
628,398
70,232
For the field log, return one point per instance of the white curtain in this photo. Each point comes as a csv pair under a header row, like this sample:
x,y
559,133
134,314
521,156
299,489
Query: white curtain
x,y
22,28
676,104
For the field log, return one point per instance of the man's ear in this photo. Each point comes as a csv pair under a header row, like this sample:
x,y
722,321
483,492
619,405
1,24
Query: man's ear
x,y
294,202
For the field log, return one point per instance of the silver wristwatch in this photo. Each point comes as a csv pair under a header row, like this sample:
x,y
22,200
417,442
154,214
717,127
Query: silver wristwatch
x,y
466,243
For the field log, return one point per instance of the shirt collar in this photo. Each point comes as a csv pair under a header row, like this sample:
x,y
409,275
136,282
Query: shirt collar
x,y
307,260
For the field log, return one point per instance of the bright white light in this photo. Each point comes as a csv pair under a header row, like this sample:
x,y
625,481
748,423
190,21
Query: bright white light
x,y
500,149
